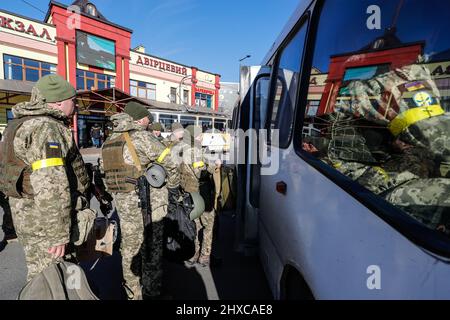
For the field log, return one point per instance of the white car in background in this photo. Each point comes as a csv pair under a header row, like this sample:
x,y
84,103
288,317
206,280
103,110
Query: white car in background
x,y
212,141
216,141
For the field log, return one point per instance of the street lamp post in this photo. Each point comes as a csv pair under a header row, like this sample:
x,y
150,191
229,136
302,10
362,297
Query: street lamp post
x,y
240,66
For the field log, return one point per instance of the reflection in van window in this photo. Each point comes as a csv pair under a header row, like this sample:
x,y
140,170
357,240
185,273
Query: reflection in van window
x,y
379,101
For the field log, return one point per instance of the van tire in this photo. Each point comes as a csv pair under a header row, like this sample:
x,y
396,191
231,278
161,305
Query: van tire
x,y
294,287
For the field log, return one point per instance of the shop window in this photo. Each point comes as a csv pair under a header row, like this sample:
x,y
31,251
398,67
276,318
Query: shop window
x,y
312,107
173,95
143,90
87,80
186,97
219,125
167,119
380,117
16,68
203,100
186,121
205,123
91,10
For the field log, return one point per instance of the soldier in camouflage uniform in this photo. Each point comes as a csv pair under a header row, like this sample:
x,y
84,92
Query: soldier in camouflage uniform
x,y
195,178
413,114
43,172
176,135
118,162
156,129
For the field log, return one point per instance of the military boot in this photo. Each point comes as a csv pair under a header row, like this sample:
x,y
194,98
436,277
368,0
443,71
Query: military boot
x,y
204,260
10,236
194,259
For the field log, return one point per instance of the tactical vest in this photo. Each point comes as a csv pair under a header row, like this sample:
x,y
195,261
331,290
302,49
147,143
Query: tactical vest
x,y
15,173
115,167
188,180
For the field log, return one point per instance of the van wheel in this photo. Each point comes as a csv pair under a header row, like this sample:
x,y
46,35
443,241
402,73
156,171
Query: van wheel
x,y
294,286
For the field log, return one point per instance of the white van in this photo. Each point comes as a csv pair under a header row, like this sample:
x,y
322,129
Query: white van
x,y
359,204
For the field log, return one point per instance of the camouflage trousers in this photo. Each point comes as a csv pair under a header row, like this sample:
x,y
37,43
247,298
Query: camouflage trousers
x,y
205,224
136,270
426,200
32,233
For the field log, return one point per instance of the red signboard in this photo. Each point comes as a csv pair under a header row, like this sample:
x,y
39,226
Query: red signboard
x,y
210,92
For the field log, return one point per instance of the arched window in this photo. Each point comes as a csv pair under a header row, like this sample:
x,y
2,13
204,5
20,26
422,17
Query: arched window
x,y
91,10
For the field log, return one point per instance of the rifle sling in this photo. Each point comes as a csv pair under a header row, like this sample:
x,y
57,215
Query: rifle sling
x,y
132,150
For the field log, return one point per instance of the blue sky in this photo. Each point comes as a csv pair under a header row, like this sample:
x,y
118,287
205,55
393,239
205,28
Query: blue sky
x,y
209,34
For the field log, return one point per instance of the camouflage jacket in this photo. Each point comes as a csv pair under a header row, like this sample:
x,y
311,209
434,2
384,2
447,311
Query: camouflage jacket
x,y
192,166
170,140
148,149
47,135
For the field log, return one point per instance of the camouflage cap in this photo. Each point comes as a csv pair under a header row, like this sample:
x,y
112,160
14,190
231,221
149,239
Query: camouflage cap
x,y
137,111
156,127
177,126
55,89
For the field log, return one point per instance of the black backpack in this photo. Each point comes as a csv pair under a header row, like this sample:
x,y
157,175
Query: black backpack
x,y
180,232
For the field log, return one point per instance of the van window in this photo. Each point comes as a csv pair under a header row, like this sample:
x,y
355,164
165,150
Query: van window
x,y
378,102
261,102
205,124
167,119
285,91
186,121
219,125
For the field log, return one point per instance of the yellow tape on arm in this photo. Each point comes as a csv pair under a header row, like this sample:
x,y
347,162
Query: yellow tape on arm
x,y
383,173
163,155
46,163
411,116
198,164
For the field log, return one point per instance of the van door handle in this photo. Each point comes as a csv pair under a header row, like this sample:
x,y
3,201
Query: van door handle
x,y
281,187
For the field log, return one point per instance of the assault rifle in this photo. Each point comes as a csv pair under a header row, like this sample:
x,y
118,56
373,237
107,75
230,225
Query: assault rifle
x,y
143,191
98,188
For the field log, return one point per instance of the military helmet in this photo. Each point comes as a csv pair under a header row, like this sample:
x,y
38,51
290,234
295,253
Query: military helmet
x,y
156,175
198,205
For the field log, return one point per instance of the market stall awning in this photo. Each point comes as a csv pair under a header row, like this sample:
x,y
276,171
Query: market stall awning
x,y
105,101
14,91
16,86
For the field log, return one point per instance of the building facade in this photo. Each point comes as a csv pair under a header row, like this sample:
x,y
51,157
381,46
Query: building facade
x,y
93,54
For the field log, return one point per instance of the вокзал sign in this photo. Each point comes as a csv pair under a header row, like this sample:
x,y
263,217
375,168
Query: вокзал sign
x,y
21,26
